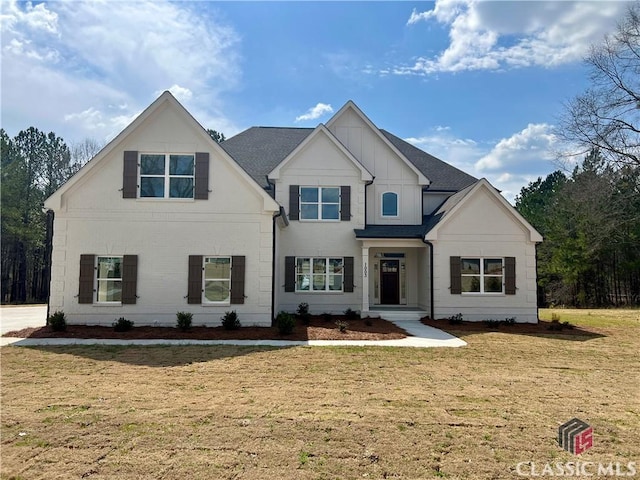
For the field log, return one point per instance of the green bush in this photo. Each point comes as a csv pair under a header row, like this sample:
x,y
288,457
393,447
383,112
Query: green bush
x,y
122,325
285,322
351,314
230,321
456,319
57,321
303,313
184,320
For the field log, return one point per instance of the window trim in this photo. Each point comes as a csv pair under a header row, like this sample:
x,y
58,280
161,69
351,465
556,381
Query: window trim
x,y
482,276
397,197
167,176
204,300
319,203
97,280
327,274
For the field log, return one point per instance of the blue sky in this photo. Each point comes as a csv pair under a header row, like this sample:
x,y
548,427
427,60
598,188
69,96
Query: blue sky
x,y
478,84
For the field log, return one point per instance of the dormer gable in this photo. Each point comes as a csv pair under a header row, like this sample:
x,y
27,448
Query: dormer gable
x,y
321,131
348,125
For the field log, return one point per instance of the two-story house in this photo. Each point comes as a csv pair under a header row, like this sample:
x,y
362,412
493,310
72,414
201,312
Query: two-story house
x,y
344,215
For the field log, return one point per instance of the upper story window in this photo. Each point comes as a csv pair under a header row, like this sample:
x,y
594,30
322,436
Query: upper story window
x,y
167,176
389,204
320,203
482,275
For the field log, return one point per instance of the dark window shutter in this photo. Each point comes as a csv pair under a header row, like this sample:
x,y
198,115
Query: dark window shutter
x,y
129,279
87,270
294,202
194,294
510,275
237,279
348,274
202,176
130,175
345,203
289,274
456,275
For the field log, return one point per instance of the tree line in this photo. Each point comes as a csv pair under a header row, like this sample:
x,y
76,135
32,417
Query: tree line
x,y
590,221
34,165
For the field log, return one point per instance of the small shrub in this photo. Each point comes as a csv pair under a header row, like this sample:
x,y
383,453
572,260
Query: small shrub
x,y
122,325
567,325
492,323
230,320
368,322
184,320
509,321
303,313
342,325
555,325
285,322
351,314
455,319
327,317
555,317
57,321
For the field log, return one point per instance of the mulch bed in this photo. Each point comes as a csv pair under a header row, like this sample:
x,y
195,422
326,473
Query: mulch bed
x,y
542,327
318,329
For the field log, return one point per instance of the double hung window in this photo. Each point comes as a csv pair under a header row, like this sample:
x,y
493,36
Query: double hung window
x,y
167,176
319,274
320,203
217,280
482,275
109,280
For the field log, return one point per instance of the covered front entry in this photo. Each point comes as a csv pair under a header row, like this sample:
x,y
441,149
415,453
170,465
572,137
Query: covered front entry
x,y
395,273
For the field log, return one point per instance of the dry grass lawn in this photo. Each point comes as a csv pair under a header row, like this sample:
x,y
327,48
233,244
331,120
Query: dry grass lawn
x,y
320,413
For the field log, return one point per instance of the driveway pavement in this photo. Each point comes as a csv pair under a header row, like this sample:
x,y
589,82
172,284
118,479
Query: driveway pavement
x,y
15,318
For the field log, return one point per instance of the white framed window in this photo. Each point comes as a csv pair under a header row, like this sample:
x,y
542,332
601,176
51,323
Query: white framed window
x,y
482,275
322,274
319,203
216,280
389,204
166,176
108,279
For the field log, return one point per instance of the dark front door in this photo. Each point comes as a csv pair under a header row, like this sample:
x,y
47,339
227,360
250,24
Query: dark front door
x,y
390,282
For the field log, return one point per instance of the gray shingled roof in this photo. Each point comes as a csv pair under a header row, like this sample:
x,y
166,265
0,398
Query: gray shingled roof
x,y
259,150
444,177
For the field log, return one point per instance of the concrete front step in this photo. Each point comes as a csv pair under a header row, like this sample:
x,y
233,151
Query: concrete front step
x,y
398,315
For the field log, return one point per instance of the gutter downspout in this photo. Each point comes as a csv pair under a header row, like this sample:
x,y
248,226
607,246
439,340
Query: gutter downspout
x,y
281,213
431,313
48,248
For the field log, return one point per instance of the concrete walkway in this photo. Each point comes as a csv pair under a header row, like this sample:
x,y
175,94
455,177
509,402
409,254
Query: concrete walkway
x,y
423,337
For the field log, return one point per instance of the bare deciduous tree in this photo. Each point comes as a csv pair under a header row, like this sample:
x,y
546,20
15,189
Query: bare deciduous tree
x,y
607,115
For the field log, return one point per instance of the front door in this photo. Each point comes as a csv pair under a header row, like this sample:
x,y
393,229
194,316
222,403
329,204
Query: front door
x,y
390,282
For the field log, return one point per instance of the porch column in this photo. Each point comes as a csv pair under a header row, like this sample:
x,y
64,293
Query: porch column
x,y
365,279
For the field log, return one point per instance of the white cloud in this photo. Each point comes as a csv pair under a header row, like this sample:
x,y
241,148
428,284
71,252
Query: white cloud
x,y
508,164
498,35
315,112
82,68
521,151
